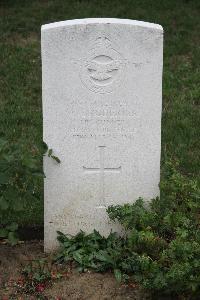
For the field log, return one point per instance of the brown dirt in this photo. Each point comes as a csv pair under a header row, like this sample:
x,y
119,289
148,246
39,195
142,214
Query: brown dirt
x,y
85,286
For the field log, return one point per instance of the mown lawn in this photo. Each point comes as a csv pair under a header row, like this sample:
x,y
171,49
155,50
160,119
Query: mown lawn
x,y
20,72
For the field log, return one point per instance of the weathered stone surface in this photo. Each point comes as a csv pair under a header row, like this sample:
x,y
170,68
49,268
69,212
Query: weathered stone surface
x,y
102,92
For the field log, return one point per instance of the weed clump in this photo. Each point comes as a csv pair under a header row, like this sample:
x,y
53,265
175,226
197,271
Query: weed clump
x,y
161,248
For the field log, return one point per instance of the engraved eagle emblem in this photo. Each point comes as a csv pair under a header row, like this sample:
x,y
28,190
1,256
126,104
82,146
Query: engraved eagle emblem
x,y
102,68
102,71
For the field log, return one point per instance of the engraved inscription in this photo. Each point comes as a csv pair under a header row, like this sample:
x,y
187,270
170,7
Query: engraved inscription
x,y
101,170
105,121
102,70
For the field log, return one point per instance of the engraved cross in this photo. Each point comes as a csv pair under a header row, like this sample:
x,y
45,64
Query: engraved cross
x,y
102,170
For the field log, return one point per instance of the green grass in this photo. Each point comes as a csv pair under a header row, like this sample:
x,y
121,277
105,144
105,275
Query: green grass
x,y
20,72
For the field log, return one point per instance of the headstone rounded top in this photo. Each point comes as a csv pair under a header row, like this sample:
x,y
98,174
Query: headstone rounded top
x,y
88,21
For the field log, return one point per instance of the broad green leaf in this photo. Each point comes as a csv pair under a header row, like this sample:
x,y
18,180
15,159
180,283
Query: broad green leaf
x,y
96,235
44,147
104,256
50,152
118,275
60,233
56,159
78,257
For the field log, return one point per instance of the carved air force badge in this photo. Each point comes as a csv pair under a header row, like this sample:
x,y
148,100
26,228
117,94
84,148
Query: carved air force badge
x,y
102,70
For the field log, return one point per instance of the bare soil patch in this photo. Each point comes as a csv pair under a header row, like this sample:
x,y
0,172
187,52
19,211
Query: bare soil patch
x,y
79,286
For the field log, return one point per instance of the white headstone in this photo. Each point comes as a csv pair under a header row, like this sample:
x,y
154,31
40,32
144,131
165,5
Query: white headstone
x,y
102,94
